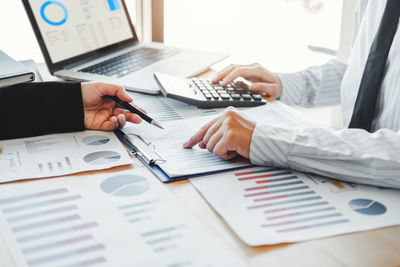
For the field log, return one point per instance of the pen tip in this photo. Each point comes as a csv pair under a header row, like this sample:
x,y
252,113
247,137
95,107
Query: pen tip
x,y
157,124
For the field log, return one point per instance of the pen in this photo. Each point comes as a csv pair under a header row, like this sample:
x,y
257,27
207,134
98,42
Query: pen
x,y
136,111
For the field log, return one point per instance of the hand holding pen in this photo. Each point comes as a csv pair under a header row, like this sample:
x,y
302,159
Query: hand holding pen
x,y
136,111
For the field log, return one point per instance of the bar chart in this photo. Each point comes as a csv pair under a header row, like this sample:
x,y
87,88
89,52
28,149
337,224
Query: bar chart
x,y
48,228
267,205
123,218
287,200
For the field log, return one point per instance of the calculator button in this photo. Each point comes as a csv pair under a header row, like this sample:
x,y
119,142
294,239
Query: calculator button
x,y
246,96
256,97
208,96
230,89
221,91
235,96
225,96
215,96
218,87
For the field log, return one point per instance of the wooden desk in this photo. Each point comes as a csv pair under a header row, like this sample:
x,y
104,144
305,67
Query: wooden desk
x,y
371,248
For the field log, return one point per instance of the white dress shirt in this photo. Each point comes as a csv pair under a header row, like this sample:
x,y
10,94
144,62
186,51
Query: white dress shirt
x,y
350,154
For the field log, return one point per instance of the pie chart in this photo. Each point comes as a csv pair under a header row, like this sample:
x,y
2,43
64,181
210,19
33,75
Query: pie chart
x,y
367,206
125,185
102,157
95,140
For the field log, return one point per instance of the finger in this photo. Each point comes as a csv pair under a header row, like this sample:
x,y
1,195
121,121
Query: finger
x,y
202,145
265,89
110,124
212,130
133,118
197,137
213,141
141,109
121,120
232,76
115,90
223,73
222,150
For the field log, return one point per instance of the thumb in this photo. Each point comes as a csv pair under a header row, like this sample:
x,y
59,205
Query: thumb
x,y
265,89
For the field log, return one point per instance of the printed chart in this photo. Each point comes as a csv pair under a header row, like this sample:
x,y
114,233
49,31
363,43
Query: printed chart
x,y
282,206
98,220
60,154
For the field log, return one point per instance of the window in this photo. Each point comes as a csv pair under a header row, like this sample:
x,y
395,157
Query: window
x,y
275,33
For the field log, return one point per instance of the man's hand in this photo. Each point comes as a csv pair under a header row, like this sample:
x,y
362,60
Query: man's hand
x,y
226,136
264,82
102,113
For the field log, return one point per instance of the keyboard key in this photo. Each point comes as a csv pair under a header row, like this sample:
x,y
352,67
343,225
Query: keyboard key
x,y
130,62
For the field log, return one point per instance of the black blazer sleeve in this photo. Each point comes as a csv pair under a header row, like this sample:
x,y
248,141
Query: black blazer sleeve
x,y
30,109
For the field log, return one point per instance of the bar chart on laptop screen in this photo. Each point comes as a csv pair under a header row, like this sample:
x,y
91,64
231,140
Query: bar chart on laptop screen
x,y
265,205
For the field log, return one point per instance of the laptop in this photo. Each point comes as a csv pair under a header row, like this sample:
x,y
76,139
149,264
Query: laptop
x,y
94,40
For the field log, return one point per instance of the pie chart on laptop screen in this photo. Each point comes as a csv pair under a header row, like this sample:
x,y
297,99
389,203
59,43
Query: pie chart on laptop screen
x,y
102,157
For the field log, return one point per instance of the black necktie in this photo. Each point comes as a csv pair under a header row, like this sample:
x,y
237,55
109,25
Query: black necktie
x,y
364,109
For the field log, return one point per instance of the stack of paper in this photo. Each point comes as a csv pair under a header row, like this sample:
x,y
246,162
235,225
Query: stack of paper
x,y
114,219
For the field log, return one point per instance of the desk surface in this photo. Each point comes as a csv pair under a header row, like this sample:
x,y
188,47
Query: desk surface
x,y
370,248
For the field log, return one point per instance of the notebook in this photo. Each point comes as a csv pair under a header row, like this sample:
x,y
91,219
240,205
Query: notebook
x,y
12,72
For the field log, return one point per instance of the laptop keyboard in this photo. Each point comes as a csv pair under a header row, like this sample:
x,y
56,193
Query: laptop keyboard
x,y
130,62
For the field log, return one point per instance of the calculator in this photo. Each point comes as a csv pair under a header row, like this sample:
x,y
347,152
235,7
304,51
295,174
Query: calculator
x,y
204,94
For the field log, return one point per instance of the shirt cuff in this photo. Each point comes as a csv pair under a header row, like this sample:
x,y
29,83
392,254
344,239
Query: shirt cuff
x,y
270,145
292,87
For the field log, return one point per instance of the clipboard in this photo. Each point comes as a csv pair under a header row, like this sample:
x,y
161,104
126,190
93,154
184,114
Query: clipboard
x,y
151,160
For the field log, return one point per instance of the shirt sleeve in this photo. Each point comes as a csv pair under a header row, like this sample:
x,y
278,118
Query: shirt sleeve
x,y
353,155
31,109
315,86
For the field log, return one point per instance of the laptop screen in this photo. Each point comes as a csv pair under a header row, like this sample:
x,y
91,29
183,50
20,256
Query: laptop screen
x,y
71,28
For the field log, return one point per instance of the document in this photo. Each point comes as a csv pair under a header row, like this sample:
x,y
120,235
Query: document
x,y
167,145
265,206
166,109
60,154
112,219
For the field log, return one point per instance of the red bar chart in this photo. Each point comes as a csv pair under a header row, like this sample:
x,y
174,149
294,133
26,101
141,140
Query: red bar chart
x,y
281,192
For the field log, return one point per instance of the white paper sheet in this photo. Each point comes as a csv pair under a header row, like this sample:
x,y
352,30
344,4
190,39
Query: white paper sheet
x,y
165,109
112,219
269,206
60,154
181,161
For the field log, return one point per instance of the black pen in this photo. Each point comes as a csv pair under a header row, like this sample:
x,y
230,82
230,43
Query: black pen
x,y
135,111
